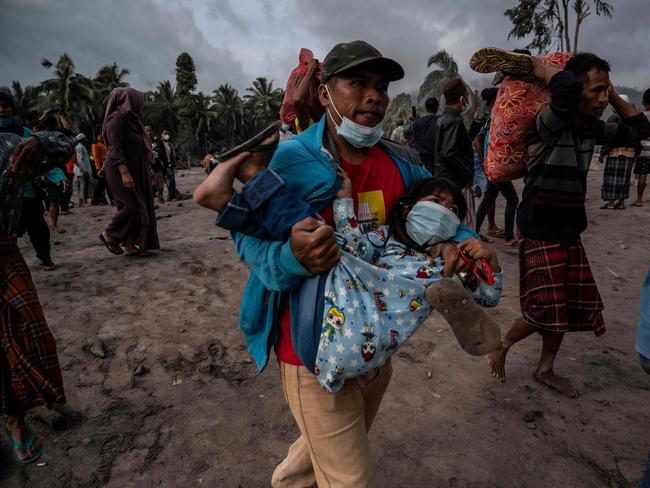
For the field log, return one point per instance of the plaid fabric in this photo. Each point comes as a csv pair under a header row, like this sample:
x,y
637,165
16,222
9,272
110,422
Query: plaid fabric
x,y
29,367
557,289
616,178
642,166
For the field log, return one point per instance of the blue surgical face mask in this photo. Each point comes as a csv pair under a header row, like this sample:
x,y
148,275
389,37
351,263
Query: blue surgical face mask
x,y
429,223
356,134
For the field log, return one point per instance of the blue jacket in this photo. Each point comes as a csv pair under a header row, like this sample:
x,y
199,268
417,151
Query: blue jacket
x,y
307,163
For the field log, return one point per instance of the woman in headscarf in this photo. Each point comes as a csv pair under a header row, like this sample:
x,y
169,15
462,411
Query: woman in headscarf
x,y
128,174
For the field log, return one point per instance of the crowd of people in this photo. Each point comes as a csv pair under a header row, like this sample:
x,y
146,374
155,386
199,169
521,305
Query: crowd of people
x,y
352,238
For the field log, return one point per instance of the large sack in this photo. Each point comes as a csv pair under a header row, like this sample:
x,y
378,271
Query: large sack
x,y
515,110
287,112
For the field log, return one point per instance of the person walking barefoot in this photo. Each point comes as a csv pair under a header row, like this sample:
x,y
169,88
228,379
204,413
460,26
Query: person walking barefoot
x,y
558,293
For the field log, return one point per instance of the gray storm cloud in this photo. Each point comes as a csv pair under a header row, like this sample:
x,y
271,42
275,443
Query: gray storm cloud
x,y
235,41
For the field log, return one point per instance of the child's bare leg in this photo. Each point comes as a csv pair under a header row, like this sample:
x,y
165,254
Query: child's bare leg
x,y
497,358
216,190
257,161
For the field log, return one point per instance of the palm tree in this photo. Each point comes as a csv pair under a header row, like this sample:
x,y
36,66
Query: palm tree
x,y
72,91
26,102
202,118
108,77
160,107
399,108
436,79
229,106
263,100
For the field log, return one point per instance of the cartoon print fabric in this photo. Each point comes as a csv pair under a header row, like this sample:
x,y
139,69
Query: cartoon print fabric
x,y
374,299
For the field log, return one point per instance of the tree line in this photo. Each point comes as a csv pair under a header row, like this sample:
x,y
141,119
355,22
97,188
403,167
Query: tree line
x,y
198,121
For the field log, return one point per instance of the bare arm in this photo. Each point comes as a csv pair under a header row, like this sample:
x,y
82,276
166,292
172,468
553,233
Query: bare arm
x,y
623,108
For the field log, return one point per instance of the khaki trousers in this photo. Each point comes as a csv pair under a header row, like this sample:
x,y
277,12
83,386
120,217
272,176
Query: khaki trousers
x,y
333,448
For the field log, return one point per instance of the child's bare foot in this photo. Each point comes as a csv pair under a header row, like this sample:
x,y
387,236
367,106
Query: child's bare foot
x,y
557,383
254,162
497,362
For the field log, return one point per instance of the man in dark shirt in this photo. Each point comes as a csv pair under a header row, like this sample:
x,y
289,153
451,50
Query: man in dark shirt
x,y
558,292
424,133
454,159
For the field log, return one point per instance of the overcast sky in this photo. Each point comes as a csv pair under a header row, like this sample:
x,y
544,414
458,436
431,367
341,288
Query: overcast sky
x,y
233,41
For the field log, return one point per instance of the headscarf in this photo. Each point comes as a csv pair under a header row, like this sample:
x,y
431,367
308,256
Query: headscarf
x,y
127,103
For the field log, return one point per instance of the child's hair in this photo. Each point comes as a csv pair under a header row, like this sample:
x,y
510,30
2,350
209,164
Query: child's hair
x,y
414,193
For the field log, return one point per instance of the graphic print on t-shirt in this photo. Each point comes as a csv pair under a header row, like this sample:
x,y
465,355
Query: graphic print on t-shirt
x,y
372,210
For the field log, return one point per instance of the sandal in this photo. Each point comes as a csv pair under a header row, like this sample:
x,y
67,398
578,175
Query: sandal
x,y
606,207
113,247
15,445
499,234
491,59
254,144
619,206
475,331
512,244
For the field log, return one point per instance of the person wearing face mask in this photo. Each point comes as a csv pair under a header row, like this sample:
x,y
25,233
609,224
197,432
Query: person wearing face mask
x,y
288,275
454,158
167,156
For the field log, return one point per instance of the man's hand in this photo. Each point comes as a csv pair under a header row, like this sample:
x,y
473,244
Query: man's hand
x,y
623,108
25,158
312,65
314,245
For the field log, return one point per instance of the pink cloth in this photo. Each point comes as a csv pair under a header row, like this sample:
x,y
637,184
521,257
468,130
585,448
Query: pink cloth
x,y
515,111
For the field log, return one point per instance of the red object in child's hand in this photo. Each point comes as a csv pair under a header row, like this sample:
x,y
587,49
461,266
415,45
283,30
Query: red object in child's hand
x,y
482,270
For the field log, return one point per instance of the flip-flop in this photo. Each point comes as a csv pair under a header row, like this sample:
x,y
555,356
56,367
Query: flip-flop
x,y
112,247
492,59
636,204
606,207
25,448
512,244
475,331
500,234
254,144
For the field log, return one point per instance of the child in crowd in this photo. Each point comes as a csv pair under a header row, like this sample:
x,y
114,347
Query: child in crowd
x,y
374,299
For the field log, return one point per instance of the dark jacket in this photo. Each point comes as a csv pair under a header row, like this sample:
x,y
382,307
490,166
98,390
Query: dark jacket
x,y
424,134
454,159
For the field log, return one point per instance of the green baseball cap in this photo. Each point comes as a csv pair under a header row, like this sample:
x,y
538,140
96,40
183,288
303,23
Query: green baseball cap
x,y
348,55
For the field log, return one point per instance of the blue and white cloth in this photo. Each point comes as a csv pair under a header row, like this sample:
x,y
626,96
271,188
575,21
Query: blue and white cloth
x,y
374,299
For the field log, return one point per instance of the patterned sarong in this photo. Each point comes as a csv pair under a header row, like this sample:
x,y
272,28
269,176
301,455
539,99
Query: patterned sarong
x,y
616,178
557,291
29,368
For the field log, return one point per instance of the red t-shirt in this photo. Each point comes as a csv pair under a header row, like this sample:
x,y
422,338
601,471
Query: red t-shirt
x,y
376,183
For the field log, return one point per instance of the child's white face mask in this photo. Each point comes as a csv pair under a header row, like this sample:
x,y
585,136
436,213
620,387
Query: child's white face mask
x,y
429,223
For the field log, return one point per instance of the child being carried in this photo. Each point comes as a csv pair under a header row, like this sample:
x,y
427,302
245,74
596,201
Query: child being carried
x,y
374,298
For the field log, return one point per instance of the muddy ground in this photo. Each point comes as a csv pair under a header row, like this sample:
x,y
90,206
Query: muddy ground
x,y
175,401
